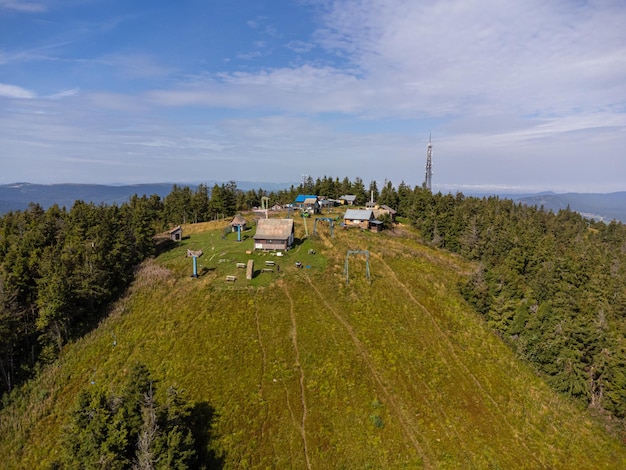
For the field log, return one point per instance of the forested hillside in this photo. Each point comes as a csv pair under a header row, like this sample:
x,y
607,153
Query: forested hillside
x,y
552,286
58,270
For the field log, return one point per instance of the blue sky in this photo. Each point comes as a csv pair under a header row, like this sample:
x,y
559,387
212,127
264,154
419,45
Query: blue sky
x,y
519,96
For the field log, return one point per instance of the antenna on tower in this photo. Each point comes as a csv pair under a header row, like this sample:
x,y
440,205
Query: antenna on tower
x,y
429,165
305,180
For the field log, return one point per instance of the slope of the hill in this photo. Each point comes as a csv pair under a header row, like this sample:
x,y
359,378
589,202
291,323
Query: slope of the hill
x,y
305,370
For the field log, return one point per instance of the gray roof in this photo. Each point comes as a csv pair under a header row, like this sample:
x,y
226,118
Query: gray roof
x,y
359,214
238,220
310,200
388,209
274,229
348,197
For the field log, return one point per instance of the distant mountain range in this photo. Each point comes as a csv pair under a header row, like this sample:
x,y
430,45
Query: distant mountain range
x,y
604,207
17,196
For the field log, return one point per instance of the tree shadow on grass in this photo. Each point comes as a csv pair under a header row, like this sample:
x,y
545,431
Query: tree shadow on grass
x,y
202,419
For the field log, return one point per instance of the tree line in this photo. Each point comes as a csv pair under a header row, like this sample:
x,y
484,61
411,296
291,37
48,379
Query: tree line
x,y
60,268
553,286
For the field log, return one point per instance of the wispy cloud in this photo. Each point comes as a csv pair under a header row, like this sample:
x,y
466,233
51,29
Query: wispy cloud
x,y
516,94
533,57
444,59
13,91
25,7
31,54
64,94
135,66
300,46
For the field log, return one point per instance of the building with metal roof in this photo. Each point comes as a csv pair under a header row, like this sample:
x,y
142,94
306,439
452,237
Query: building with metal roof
x,y
347,199
274,234
358,218
300,198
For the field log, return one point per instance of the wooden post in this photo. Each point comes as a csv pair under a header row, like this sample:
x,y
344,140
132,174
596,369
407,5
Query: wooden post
x,y
250,270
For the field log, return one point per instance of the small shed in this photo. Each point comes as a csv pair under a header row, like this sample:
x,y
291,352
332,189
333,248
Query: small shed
x,y
274,234
312,205
176,234
383,209
376,226
358,218
327,203
238,223
348,199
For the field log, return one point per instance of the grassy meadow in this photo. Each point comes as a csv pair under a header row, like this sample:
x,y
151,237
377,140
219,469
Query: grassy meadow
x,y
303,370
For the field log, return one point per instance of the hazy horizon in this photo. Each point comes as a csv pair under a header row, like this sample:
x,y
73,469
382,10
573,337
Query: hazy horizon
x,y
515,96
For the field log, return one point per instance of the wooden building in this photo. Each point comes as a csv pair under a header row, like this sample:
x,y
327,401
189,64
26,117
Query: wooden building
x,y
274,234
348,199
376,226
238,222
311,205
358,218
383,209
176,234
300,198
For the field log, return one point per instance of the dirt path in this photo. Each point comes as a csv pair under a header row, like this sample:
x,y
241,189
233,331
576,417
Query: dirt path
x,y
403,417
452,352
294,340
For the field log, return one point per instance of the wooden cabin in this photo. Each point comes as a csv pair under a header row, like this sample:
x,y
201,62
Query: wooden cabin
x,y
176,234
358,218
274,234
347,199
238,222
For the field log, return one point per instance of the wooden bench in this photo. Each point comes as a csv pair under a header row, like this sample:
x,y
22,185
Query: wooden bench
x,y
269,263
268,270
241,265
231,278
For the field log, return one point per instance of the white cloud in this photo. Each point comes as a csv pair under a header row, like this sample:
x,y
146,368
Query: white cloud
x,y
519,94
13,91
441,59
299,46
64,94
485,57
26,7
136,65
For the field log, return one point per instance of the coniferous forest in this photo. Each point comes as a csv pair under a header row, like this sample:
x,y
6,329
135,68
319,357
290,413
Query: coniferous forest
x,y
552,286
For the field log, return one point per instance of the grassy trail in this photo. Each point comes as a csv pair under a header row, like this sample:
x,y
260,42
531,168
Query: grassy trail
x,y
400,412
448,350
294,339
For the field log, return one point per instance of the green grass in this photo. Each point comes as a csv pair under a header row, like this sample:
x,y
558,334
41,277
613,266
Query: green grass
x,y
306,371
222,253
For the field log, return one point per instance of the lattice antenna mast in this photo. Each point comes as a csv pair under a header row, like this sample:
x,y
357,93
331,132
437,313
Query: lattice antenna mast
x,y
305,179
429,166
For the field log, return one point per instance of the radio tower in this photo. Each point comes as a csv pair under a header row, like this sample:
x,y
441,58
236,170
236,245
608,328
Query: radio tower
x,y
429,166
